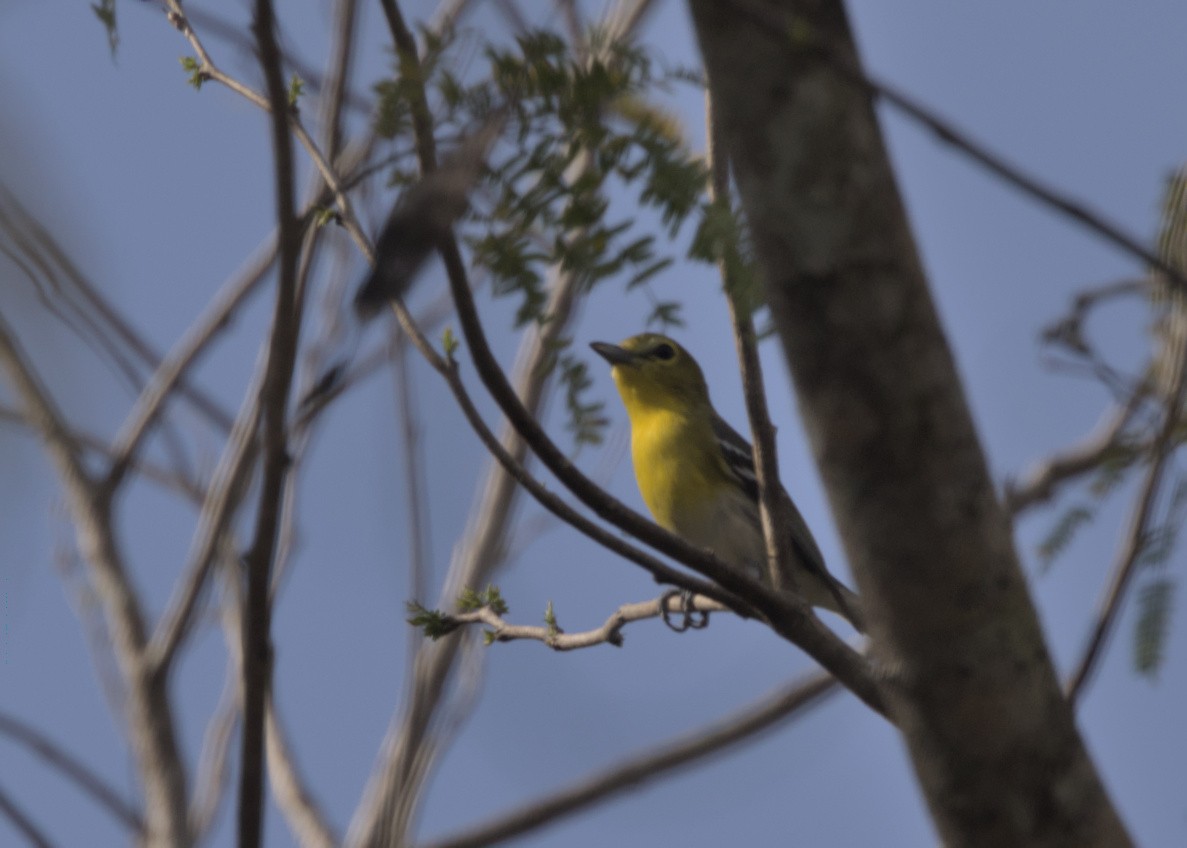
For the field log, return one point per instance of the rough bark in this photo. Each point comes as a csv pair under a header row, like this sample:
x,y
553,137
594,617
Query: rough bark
x,y
969,681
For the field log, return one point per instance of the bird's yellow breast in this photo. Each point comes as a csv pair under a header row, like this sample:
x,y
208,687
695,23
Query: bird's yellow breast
x,y
676,486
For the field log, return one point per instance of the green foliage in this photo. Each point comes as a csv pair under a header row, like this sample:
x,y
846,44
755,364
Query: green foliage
x,y
449,342
470,600
1062,533
194,68
664,315
105,11
434,623
323,215
550,621
296,89
586,421
1152,626
582,142
396,96
721,239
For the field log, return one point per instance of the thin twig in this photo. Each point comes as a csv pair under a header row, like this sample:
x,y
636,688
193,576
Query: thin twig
x,y
311,78
208,70
149,717
609,633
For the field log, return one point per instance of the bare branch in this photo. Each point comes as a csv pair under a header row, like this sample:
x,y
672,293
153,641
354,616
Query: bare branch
x,y
171,370
643,768
304,818
610,633
149,719
213,765
95,313
223,496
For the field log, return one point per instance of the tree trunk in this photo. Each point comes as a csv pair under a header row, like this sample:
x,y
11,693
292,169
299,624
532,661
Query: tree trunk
x,y
969,680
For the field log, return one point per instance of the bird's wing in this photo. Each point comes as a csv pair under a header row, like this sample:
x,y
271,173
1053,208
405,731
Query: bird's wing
x,y
739,456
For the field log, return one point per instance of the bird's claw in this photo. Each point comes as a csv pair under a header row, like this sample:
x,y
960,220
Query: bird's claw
x,y
690,618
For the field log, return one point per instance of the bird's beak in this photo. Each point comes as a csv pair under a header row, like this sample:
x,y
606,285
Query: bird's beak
x,y
614,354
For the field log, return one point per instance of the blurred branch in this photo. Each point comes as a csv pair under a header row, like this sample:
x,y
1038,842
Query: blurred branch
x,y
630,775
305,819
223,496
149,719
289,790
171,370
214,771
1135,542
1041,482
171,479
71,768
22,823
95,320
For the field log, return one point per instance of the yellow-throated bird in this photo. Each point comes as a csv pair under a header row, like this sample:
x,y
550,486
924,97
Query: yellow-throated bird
x,y
696,474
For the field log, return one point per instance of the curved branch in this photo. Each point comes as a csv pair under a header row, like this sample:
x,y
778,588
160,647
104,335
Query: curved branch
x,y
648,766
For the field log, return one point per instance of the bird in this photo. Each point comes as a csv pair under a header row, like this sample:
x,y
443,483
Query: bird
x,y
424,216
696,473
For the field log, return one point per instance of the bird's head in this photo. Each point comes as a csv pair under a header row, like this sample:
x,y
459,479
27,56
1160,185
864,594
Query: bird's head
x,y
651,370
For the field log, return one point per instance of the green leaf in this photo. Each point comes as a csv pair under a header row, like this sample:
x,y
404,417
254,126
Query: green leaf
x,y
449,342
1062,533
665,315
296,89
1152,626
194,68
434,623
550,621
470,600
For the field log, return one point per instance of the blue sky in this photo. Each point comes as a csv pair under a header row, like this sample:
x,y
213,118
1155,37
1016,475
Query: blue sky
x,y
161,193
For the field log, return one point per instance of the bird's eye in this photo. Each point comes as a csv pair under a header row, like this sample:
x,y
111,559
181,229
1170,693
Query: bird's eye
x,y
664,351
